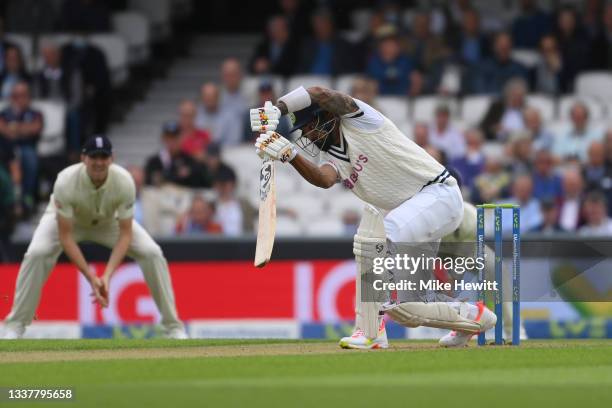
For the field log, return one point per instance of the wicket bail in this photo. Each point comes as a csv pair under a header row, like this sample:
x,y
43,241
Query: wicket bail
x,y
499,257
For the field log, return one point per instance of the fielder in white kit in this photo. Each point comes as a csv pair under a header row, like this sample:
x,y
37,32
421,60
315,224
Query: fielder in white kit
x,y
92,201
410,197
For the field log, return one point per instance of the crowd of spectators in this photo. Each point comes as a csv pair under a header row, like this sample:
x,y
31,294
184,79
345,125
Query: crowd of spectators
x,y
411,57
562,178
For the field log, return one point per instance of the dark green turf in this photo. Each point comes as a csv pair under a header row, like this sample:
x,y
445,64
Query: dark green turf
x,y
572,374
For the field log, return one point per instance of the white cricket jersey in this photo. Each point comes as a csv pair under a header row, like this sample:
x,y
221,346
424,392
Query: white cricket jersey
x,y
75,196
376,161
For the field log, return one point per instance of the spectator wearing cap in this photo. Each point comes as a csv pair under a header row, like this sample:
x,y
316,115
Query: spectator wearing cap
x,y
597,221
574,142
223,125
569,209
472,162
550,219
547,184
200,219
530,25
505,115
214,164
394,70
193,140
326,53
23,126
265,92
445,137
172,165
56,81
491,76
229,210
232,97
276,53
13,72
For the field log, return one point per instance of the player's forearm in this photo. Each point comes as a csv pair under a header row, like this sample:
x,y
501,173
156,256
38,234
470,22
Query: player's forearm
x,y
118,253
73,252
332,101
311,172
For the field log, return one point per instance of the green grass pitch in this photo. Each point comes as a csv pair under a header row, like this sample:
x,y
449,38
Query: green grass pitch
x,y
242,373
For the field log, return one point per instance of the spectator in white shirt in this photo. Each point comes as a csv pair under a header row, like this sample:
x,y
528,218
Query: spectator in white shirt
x,y
598,223
224,126
444,137
229,209
573,188
575,142
139,177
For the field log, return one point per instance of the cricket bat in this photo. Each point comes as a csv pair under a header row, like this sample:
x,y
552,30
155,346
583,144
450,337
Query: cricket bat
x,y
267,213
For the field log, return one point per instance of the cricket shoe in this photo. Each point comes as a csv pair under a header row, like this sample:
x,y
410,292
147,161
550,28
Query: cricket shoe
x,y
177,334
455,338
359,341
11,334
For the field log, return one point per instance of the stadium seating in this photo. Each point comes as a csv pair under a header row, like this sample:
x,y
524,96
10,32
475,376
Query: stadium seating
x,y
545,104
474,107
344,83
158,12
134,28
115,49
394,107
424,107
597,84
52,140
250,85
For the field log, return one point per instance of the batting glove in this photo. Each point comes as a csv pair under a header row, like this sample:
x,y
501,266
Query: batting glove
x,y
275,146
266,118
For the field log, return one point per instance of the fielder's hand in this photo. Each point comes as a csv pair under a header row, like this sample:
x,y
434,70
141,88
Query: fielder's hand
x,y
275,146
98,292
265,119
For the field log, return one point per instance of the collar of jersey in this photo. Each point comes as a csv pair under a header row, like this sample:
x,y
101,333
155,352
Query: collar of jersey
x,y
90,185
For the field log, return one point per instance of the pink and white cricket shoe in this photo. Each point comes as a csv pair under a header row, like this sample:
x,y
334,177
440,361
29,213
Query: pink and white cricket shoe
x,y
455,338
359,341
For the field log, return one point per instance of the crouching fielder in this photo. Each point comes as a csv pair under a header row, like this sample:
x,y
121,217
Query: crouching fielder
x,y
92,201
411,197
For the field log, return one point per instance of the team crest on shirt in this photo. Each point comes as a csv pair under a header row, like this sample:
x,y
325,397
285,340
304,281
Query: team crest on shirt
x,y
357,168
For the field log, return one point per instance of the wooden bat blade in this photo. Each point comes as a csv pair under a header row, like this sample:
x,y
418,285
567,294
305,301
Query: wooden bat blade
x,y
267,214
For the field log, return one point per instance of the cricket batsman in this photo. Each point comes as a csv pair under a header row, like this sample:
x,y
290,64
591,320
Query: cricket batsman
x,y
92,201
410,198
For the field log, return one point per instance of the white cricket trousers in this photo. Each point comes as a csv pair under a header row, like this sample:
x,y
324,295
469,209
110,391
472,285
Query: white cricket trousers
x,y
432,213
429,215
45,248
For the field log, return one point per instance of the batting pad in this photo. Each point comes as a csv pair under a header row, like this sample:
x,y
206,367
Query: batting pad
x,y
440,315
369,243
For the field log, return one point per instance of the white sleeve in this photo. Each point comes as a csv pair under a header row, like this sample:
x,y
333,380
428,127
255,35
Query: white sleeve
x,y
365,118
